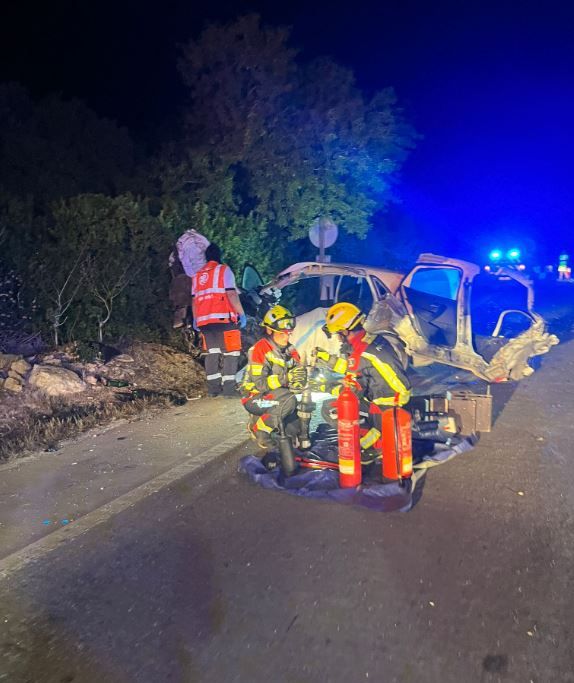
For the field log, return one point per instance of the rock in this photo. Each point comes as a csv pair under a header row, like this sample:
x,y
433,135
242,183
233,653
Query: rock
x,y
52,361
12,385
21,366
123,358
55,381
15,375
6,360
90,379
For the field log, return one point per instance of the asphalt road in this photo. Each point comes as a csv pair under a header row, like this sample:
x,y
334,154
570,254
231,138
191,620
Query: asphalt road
x,y
209,578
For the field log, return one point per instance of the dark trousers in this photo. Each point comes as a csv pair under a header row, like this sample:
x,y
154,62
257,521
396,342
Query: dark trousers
x,y
270,409
222,358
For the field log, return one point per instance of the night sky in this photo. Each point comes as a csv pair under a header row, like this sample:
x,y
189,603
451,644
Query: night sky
x,y
489,85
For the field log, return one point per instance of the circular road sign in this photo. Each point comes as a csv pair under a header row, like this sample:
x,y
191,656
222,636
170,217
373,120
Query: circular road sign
x,y
329,230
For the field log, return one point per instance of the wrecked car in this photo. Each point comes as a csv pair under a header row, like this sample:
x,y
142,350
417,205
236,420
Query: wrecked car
x,y
444,310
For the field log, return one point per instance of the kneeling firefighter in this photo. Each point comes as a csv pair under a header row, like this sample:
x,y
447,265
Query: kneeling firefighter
x,y
273,376
378,366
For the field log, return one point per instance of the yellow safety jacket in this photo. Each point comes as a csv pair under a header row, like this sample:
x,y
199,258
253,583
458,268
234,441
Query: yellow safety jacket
x,y
267,366
380,372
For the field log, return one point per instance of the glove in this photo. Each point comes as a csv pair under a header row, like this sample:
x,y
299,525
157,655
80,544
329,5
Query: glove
x,y
320,354
297,378
319,385
330,360
242,320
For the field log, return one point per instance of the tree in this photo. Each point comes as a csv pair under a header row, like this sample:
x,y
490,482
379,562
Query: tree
x,y
63,292
282,142
56,148
51,150
118,247
243,239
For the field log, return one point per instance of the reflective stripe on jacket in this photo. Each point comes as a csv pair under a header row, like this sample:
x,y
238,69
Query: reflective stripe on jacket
x,y
211,302
379,371
267,366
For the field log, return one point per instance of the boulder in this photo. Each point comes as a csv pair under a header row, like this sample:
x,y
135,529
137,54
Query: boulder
x,y
6,360
55,381
12,385
21,366
15,375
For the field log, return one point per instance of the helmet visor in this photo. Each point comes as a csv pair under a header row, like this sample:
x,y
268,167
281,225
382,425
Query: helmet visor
x,y
285,324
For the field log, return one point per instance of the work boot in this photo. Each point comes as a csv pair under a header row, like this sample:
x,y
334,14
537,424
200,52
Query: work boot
x,y
369,455
263,439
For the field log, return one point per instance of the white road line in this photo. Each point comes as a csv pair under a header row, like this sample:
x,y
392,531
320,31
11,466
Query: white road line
x,y
14,562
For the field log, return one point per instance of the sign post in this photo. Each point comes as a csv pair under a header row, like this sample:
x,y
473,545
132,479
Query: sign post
x,y
323,233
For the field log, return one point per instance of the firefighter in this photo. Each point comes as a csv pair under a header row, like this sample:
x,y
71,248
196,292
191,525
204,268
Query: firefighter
x,y
273,376
218,315
378,363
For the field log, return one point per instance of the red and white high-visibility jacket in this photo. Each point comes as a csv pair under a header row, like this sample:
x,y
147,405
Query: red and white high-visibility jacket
x,y
209,289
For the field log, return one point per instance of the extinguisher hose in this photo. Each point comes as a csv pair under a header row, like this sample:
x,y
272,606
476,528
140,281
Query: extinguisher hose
x,y
397,443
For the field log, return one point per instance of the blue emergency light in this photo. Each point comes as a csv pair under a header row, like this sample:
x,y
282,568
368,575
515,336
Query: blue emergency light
x,y
495,255
513,254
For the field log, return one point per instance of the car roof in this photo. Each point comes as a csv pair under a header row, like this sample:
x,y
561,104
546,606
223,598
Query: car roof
x,y
390,278
334,265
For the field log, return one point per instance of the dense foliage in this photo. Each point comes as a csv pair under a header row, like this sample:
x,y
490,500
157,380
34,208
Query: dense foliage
x,y
267,144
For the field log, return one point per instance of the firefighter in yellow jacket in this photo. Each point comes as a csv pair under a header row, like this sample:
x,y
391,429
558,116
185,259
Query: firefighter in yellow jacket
x,y
378,365
273,376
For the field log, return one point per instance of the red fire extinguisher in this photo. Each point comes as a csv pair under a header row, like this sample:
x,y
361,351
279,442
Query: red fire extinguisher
x,y
349,441
397,444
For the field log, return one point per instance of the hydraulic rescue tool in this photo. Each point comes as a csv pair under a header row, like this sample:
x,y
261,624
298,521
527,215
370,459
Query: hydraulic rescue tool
x,y
286,452
285,444
305,411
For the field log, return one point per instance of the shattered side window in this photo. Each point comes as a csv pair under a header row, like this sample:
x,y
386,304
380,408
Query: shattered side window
x,y
441,282
491,296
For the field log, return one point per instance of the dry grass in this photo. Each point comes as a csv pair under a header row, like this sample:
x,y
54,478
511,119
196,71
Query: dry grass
x,y
36,431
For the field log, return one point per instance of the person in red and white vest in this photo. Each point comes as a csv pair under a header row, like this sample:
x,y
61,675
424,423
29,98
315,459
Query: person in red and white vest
x,y
218,315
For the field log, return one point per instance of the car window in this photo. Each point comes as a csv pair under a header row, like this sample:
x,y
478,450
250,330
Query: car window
x,y
513,324
354,290
303,295
382,291
490,297
441,282
251,278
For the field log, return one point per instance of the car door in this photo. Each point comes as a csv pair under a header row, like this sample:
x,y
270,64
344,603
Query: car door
x,y
437,326
431,295
506,332
249,291
442,326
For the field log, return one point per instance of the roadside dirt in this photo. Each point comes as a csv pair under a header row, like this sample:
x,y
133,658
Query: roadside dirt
x,y
121,382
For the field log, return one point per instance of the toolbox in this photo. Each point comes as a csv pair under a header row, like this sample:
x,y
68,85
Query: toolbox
x,y
472,412
463,412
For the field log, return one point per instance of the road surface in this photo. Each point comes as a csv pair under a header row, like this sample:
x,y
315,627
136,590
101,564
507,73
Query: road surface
x,y
203,577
